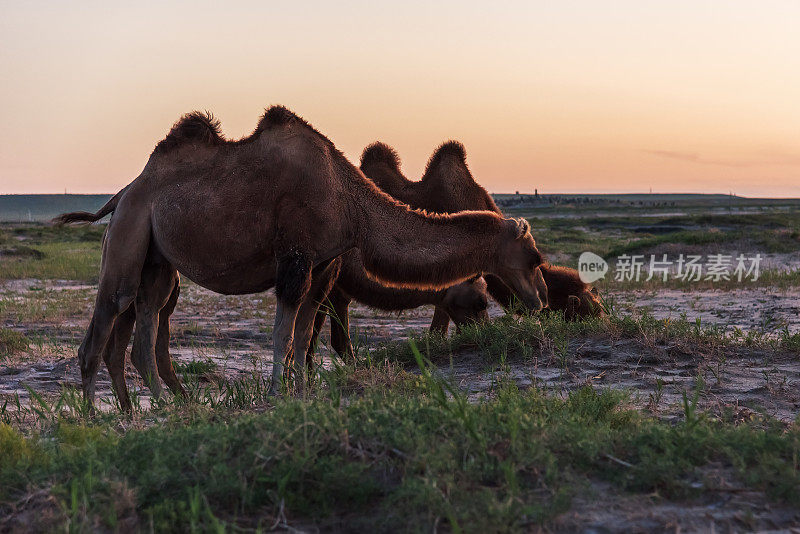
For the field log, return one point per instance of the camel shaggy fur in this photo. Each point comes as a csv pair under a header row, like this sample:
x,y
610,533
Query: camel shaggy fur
x,y
446,186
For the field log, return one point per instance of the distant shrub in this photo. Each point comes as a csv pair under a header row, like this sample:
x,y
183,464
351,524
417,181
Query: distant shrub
x,y
21,251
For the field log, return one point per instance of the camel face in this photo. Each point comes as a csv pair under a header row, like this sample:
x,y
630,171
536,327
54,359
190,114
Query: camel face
x,y
583,305
518,265
569,294
587,304
467,302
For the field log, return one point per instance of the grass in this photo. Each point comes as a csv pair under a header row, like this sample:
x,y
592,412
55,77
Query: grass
x,y
45,304
769,231
11,342
78,261
198,367
510,336
47,253
386,443
786,279
400,458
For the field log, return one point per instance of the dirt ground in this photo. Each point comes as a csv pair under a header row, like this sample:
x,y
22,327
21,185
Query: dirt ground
x,y
234,333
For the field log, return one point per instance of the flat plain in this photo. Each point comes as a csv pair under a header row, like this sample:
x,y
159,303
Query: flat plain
x,y
677,413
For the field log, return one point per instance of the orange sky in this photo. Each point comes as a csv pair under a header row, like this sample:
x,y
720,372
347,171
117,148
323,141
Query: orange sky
x,y
680,96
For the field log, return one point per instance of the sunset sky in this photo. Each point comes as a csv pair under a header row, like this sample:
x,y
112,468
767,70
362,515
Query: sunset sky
x,y
567,96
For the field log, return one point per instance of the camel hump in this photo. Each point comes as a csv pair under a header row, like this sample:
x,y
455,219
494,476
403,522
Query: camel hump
x,y
380,153
277,116
197,126
451,148
445,154
448,149
523,227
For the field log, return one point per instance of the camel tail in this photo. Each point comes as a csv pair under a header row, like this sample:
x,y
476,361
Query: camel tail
x,y
85,216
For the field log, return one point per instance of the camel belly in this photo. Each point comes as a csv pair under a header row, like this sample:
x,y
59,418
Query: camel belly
x,y
226,256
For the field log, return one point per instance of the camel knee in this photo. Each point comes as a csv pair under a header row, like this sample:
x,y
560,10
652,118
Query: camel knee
x,y
293,278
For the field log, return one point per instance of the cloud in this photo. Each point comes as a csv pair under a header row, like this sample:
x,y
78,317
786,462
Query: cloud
x,y
693,157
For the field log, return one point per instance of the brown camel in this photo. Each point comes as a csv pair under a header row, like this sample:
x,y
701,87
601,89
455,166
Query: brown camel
x,y
566,292
464,303
155,302
448,186
276,209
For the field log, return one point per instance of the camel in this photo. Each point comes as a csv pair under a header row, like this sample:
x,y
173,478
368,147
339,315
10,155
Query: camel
x,y
445,187
277,209
464,303
151,310
566,292
448,186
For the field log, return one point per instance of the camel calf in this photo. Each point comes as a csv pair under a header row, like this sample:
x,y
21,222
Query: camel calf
x,y
566,292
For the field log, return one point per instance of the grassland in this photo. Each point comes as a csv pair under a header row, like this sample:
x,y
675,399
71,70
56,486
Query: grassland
x,y
42,208
374,447
517,424
44,252
773,233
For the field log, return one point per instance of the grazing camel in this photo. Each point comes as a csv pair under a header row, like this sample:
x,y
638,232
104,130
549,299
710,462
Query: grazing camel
x,y
566,292
278,208
448,186
464,303
442,189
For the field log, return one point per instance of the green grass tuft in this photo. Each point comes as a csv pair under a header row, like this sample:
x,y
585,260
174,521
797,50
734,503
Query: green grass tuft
x,y
12,341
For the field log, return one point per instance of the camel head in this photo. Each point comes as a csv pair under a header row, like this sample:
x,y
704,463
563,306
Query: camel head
x,y
517,264
467,302
586,304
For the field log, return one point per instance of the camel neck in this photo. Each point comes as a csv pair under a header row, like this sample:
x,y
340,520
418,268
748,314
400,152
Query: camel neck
x,y
355,281
407,248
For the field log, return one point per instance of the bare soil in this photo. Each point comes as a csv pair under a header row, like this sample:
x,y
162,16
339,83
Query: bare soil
x,y
235,333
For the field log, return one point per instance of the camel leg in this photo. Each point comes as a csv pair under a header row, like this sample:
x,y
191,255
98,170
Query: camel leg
x,y
440,322
339,303
114,355
155,291
322,280
499,291
163,360
124,252
340,325
319,322
282,339
292,283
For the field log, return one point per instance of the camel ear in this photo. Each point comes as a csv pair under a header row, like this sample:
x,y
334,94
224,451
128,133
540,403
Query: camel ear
x,y
523,227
